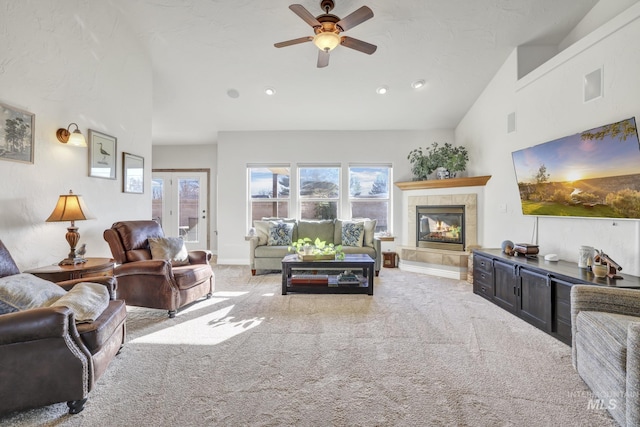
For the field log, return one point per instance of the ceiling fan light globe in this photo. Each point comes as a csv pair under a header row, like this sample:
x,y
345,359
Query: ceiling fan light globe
x,y
326,41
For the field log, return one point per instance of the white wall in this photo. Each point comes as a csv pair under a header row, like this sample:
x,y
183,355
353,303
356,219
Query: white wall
x,y
237,149
549,104
193,157
70,61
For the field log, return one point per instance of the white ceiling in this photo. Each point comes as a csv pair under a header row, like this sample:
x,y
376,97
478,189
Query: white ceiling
x,y
202,48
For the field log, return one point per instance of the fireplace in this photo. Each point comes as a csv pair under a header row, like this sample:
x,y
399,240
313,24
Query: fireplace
x,y
440,227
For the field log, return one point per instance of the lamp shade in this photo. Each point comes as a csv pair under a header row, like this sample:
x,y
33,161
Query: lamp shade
x,y
77,139
70,207
326,41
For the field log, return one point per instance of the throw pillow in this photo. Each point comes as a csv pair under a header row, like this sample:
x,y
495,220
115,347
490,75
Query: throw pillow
x,y
280,234
24,291
86,300
262,231
352,233
169,248
369,230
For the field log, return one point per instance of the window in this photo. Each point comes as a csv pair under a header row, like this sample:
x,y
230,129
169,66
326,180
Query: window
x,y
269,192
369,195
319,192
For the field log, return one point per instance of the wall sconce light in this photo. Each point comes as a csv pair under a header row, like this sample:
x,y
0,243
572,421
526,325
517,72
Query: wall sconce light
x,y
76,138
71,207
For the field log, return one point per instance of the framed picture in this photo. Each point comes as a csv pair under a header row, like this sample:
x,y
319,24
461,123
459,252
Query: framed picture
x,y
132,173
17,128
102,155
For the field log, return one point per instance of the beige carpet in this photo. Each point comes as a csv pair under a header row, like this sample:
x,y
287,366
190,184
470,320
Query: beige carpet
x,y
421,351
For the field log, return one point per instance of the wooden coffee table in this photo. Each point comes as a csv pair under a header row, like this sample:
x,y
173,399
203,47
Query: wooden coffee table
x,y
291,263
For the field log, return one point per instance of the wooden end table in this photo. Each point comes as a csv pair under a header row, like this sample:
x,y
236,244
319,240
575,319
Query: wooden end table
x,y
58,273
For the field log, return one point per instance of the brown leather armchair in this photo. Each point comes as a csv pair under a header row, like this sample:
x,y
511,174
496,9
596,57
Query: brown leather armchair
x,y
46,358
154,283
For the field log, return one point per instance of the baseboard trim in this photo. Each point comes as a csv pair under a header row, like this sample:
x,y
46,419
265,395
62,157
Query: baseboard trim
x,y
434,271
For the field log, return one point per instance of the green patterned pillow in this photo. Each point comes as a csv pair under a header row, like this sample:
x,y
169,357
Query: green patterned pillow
x,y
280,234
352,233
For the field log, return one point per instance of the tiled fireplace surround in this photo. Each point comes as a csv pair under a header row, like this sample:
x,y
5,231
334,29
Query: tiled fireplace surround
x,y
467,191
439,262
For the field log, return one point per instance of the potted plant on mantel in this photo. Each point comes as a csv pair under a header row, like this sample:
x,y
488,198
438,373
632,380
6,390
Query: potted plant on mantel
x,y
446,159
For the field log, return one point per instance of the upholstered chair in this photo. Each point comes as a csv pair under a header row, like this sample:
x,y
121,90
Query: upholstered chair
x,y
605,324
150,277
46,357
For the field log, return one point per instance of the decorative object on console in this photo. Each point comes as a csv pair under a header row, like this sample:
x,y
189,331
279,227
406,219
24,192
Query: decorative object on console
x,y
526,249
585,256
507,247
18,126
593,174
612,266
75,138
71,207
102,155
600,270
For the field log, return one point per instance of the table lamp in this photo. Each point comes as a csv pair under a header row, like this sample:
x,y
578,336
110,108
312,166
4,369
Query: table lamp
x,y
71,207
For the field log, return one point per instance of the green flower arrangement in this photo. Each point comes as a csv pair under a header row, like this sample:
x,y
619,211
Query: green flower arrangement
x,y
316,247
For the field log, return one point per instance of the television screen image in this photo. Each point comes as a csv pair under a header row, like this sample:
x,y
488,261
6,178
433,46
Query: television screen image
x,y
593,174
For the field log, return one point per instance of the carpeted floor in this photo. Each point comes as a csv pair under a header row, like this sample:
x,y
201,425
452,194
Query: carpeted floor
x,y
421,351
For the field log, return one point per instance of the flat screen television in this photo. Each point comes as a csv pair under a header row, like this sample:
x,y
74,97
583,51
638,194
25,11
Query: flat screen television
x,y
593,174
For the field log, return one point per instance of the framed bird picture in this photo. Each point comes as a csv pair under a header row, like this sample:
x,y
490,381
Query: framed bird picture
x,y
102,155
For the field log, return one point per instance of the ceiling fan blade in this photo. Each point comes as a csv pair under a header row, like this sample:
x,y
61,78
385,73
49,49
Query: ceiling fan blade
x,y
359,45
294,41
306,16
323,59
355,18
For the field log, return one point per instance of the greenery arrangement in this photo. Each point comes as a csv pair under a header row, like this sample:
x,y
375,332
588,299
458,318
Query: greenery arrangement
x,y
318,247
426,160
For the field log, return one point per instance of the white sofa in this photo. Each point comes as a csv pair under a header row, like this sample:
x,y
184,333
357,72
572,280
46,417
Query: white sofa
x,y
266,256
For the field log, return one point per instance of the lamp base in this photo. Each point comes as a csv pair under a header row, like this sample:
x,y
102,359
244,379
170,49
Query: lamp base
x,y
72,261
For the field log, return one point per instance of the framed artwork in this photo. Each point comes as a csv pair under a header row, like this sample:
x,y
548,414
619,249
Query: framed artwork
x,y
132,173
17,128
102,155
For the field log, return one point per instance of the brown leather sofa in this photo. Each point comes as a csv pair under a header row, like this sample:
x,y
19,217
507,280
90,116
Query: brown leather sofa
x,y
46,358
154,283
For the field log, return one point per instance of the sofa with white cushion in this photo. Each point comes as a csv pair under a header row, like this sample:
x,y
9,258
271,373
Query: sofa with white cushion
x,y
273,236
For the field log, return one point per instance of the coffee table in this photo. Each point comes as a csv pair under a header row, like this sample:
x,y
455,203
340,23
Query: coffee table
x,y
291,263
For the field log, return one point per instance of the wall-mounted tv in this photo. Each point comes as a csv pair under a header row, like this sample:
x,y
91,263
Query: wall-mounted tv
x,y
595,173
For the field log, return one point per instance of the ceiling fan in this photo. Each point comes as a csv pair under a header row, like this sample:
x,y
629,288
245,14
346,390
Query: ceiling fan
x,y
327,28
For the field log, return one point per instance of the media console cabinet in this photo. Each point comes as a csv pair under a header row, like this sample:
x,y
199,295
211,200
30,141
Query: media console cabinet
x,y
535,290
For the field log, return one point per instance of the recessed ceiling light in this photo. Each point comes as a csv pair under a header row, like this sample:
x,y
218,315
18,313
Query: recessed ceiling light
x,y
233,93
418,84
382,90
270,91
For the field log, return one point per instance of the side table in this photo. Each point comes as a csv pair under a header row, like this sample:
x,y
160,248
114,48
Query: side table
x,y
58,273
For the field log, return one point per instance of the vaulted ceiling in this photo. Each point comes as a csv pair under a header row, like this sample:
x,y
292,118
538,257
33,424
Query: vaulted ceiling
x,y
204,50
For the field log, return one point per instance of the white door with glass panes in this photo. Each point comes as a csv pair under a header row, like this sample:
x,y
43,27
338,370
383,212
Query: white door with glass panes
x,y
179,204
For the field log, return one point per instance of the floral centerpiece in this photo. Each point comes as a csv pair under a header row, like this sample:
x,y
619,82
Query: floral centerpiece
x,y
316,249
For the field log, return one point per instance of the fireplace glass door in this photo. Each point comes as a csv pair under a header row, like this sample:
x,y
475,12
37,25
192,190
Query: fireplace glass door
x,y
440,227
